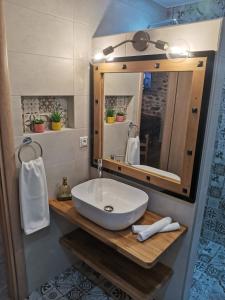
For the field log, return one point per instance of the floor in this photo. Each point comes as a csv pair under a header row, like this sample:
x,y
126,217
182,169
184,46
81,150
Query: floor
x,y
79,282
209,275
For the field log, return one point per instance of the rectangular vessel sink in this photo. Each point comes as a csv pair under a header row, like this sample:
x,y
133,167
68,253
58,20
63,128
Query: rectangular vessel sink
x,y
109,203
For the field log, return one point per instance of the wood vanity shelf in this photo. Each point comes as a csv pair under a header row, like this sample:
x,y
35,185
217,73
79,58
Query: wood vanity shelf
x,y
117,255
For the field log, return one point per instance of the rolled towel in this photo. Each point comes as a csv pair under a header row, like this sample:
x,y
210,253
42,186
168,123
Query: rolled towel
x,y
171,227
153,229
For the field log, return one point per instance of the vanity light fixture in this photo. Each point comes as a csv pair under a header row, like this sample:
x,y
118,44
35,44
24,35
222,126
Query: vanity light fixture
x,y
140,42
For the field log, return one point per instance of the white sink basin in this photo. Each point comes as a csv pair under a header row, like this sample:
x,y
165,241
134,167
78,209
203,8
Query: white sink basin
x,y
109,203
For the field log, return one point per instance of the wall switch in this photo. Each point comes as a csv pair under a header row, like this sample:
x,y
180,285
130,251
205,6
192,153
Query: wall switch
x,y
83,141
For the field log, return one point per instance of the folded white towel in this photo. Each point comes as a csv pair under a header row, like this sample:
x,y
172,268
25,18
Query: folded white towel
x,y
171,227
154,228
133,151
34,206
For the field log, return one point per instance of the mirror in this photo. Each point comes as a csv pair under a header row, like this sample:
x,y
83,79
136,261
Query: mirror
x,y
146,122
147,130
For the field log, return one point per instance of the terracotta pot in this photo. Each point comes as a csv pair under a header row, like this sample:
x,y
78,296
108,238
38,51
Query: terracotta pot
x,y
110,120
56,126
38,128
120,118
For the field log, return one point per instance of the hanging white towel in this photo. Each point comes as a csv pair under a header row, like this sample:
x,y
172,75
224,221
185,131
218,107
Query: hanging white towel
x,y
153,229
34,206
133,151
171,227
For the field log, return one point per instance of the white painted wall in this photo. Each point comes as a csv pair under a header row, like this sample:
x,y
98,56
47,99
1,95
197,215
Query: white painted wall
x,y
116,135
184,212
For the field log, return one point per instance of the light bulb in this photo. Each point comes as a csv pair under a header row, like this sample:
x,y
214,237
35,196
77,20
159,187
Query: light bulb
x,y
99,56
110,57
178,50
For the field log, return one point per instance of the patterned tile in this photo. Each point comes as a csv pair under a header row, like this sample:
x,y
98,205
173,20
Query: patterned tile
x,y
95,293
76,283
53,294
88,272
42,107
117,103
209,273
74,294
113,291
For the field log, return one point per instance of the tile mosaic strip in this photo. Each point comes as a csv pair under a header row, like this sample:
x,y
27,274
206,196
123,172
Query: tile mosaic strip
x,y
79,282
118,103
42,107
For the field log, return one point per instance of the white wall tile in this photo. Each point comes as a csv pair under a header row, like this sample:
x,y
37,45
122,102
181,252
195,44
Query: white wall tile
x,y
70,170
81,77
59,8
36,33
17,115
90,12
40,75
82,41
81,111
58,147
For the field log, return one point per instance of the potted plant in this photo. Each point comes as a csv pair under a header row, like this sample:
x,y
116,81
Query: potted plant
x,y
56,120
120,116
110,116
38,125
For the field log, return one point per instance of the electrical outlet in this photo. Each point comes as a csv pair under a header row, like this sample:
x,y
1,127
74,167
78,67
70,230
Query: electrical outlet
x,y
83,141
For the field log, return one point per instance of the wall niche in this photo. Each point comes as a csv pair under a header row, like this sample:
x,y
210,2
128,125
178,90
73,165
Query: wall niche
x,y
43,106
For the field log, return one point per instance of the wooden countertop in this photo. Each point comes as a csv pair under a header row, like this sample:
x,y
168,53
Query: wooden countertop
x,y
145,254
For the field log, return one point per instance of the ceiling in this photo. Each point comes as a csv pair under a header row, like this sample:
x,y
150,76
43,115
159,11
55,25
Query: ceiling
x,y
172,3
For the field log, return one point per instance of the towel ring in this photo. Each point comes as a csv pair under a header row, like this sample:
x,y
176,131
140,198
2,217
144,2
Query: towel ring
x,y
28,141
130,127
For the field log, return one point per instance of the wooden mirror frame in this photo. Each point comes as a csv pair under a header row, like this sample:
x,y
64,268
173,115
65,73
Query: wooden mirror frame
x,y
201,65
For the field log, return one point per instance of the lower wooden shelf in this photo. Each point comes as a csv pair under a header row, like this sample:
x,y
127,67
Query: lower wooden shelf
x,y
136,281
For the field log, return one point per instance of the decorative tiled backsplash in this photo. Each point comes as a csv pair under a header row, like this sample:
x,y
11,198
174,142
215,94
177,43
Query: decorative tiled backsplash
x,y
42,107
118,103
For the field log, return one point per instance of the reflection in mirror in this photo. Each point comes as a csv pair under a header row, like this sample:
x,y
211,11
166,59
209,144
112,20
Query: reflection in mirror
x,y
145,120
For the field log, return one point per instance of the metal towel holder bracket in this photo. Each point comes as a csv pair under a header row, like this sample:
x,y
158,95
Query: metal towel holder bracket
x,y
28,141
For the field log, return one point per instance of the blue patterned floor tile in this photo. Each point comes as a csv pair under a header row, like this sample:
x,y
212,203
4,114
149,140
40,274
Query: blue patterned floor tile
x,y
53,294
45,288
73,285
114,292
86,285
74,294
94,294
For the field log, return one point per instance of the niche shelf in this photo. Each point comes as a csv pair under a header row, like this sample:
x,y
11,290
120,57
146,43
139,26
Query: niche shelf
x,y
49,132
42,107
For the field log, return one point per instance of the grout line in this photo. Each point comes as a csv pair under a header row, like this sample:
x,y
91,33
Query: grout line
x,y
62,19
36,54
